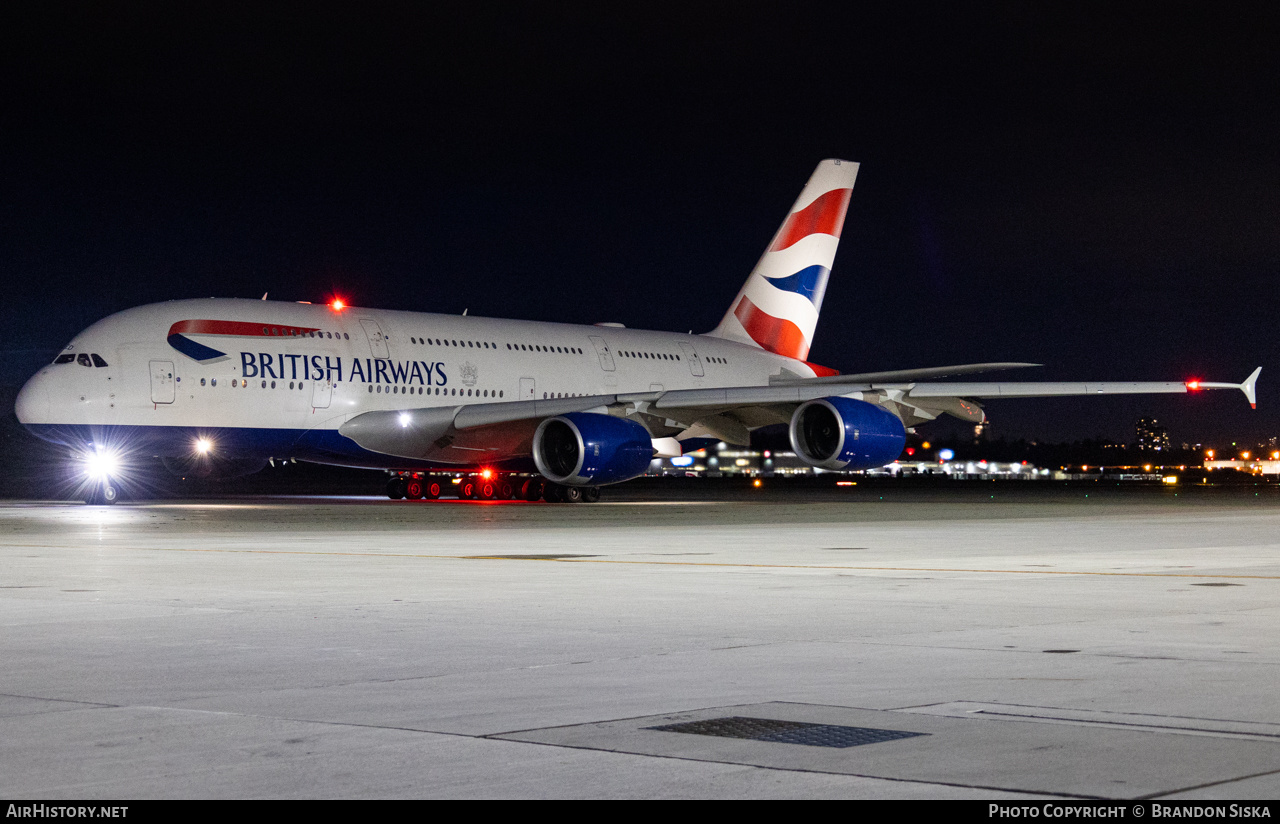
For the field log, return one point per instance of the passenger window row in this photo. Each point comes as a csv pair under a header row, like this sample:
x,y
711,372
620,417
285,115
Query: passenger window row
x,y
511,347
716,360
299,333
650,356
453,392
244,384
84,359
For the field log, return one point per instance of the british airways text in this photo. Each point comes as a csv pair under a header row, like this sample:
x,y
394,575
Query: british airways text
x,y
323,367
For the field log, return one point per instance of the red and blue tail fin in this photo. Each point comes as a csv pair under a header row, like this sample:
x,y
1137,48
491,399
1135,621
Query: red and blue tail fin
x,y
778,306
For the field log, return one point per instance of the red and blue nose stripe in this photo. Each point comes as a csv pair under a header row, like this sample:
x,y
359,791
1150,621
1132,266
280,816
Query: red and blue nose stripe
x,y
232,328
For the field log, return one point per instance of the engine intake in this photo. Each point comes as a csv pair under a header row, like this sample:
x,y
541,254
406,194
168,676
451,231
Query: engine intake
x,y
841,433
588,449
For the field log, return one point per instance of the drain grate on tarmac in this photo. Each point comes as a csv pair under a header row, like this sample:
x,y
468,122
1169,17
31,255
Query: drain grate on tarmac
x,y
787,732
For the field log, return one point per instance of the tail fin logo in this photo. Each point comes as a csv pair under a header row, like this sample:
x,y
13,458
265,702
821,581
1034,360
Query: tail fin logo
x,y
777,308
824,216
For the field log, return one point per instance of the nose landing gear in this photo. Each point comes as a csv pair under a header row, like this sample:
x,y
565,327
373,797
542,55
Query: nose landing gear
x,y
103,494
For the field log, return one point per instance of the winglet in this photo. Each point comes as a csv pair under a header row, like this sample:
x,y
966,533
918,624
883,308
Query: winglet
x,y
1249,387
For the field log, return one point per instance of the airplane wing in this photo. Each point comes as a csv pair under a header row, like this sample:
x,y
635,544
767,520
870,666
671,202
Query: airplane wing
x,y
506,428
905,374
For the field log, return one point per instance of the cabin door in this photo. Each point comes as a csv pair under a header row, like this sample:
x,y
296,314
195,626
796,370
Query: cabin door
x,y
321,393
162,383
691,355
602,349
377,340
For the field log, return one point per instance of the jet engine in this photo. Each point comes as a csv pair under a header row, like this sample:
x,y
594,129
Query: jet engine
x,y
841,433
589,449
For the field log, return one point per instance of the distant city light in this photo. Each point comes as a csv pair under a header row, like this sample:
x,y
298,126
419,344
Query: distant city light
x,y
683,460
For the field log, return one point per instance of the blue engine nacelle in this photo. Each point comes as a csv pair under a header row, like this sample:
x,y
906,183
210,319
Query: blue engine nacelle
x,y
588,449
841,433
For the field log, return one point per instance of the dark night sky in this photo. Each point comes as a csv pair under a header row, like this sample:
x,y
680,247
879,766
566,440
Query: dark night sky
x,y
1082,186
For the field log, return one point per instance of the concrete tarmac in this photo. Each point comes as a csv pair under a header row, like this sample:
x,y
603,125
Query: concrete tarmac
x,y
1037,643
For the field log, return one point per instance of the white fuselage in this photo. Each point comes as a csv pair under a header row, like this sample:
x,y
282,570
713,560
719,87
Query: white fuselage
x,y
308,368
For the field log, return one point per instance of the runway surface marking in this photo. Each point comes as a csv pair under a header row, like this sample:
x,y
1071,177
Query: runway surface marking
x,y
728,565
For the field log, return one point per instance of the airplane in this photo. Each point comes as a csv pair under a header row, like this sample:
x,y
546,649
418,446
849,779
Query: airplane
x,y
515,409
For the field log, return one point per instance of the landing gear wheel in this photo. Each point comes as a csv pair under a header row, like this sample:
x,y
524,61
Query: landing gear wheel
x,y
506,490
395,488
571,494
552,493
487,490
531,490
103,495
431,488
413,489
590,494
467,489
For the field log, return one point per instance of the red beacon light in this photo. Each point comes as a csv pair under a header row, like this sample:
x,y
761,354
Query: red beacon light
x,y
1193,384
337,304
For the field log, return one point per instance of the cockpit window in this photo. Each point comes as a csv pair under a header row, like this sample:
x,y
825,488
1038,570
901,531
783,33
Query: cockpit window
x,y
83,360
97,360
64,358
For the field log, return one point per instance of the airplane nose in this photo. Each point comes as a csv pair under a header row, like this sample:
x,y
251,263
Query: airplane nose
x,y
32,404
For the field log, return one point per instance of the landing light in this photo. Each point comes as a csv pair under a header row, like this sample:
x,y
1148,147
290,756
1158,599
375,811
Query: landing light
x,y
404,419
101,464
203,446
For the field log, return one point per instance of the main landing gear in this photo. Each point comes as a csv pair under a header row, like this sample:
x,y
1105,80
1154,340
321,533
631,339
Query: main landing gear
x,y
415,487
